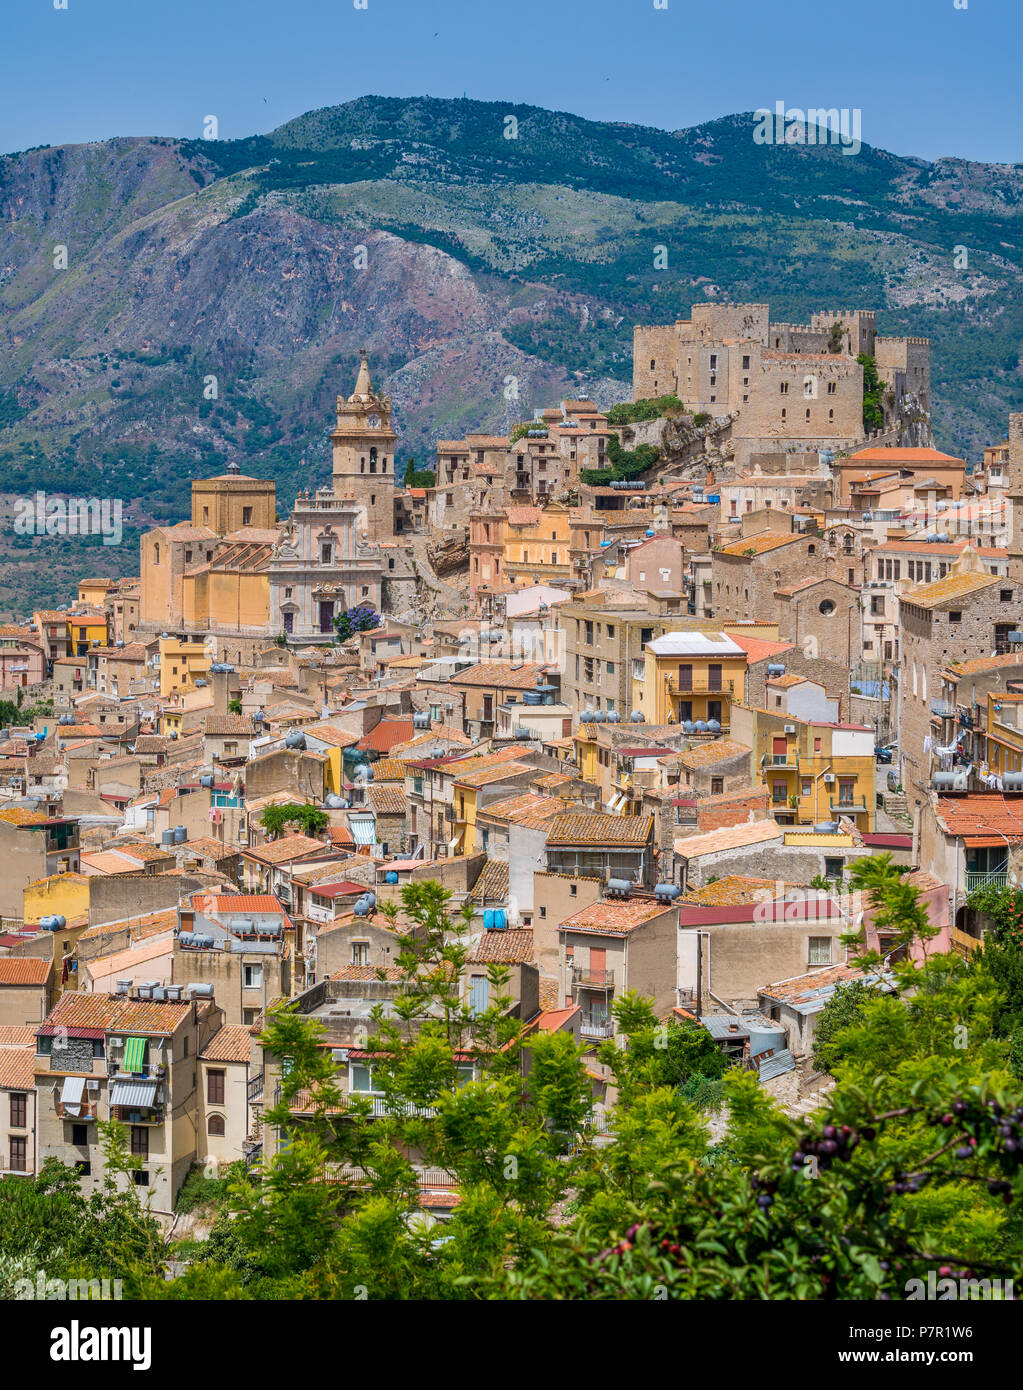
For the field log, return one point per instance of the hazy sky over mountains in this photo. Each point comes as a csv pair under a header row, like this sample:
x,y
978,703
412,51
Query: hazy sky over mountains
x,y
929,79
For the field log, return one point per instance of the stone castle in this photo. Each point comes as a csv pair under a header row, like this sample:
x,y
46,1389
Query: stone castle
x,y
794,386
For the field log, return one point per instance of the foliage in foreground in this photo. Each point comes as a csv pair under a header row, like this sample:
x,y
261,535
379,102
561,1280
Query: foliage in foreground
x,y
912,1165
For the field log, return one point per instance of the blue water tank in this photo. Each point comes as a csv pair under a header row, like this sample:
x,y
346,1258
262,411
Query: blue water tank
x,y
638,717
714,726
296,739
613,717
390,877
488,920
667,891
500,921
180,834
701,726
206,781
688,727
361,908
619,887
649,531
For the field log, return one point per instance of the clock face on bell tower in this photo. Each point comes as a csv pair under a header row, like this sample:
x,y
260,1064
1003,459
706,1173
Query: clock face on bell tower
x,y
374,422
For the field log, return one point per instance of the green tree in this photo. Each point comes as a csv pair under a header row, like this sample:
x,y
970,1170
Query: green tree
x,y
873,393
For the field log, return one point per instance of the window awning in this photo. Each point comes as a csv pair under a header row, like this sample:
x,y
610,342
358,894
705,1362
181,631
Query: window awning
x,y
134,1054
983,841
71,1094
364,832
137,1093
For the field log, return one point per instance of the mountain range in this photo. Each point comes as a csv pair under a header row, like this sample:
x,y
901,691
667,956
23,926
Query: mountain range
x,y
211,296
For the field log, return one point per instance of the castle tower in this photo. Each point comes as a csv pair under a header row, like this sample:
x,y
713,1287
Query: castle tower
x,y
1014,494
363,444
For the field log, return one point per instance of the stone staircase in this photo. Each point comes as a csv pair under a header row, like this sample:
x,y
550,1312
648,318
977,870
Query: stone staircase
x,y
895,804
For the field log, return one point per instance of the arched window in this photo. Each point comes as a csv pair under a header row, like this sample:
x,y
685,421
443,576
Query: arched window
x,y
156,553
215,1125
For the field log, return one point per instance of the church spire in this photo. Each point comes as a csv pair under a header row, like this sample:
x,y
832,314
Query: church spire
x,y
363,385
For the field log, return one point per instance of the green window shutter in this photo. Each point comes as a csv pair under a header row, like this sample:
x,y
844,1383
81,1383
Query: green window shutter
x,y
134,1054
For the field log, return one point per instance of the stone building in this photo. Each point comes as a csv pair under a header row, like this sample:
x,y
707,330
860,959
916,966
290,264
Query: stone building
x,y
788,385
363,456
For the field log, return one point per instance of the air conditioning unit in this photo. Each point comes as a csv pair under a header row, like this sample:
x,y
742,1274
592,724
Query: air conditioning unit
x,y
114,1042
790,728
829,777
339,1054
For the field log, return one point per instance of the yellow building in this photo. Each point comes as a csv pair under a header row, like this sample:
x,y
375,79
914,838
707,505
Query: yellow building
x,y
814,771
689,678
182,662
537,545
231,592
93,592
86,630
60,895
1002,733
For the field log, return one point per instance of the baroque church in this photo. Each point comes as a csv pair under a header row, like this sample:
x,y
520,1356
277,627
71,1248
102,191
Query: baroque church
x,y
236,577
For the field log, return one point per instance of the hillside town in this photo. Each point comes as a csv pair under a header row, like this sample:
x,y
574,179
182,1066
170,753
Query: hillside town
x,y
636,686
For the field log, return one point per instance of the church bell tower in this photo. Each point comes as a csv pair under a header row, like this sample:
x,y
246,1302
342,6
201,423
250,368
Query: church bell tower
x,y
363,444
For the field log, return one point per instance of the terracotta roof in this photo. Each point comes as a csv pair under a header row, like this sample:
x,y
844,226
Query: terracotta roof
x,y
484,776
17,1069
230,1044
758,649
369,972
289,847
387,800
981,813
388,770
501,675
788,680
596,829
76,1010
613,918
523,516
503,947
526,809
728,837
792,989
985,663
716,751
228,724
331,734
890,456
733,888
16,1035
24,970
387,734
951,587
762,542
492,884
237,902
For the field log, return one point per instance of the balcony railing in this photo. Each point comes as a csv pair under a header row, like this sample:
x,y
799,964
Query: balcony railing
x,y
596,1028
850,808
82,1112
700,683
943,709
138,1114
380,1106
963,943
254,1088
983,878
593,979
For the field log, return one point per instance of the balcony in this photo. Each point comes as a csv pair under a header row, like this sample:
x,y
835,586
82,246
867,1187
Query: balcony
x,y
596,1028
943,709
81,1113
850,808
592,979
381,1107
984,878
138,1115
254,1089
700,683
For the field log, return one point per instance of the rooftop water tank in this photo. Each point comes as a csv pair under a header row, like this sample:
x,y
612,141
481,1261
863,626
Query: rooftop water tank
x,y
586,717
296,739
599,716
200,990
775,668
713,726
361,908
619,887
1012,781
764,1037
826,827
638,717
649,531
167,838
391,877
666,891
701,726
53,923
206,781
613,717
688,727
180,834
333,802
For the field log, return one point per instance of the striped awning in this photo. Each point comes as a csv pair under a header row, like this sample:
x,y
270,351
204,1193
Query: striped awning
x,y
71,1094
136,1093
364,831
134,1054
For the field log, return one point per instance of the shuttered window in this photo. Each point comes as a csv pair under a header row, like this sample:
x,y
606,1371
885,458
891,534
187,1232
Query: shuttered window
x,y
215,1087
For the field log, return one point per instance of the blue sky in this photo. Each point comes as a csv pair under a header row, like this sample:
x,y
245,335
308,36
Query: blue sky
x,y
930,79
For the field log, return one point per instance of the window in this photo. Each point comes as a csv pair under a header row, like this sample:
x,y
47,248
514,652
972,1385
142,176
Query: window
x,y
141,1178
246,516
543,912
139,1141
360,1077
1004,595
955,616
833,868
638,669
820,950
846,791
360,953
816,745
80,1135
779,793
215,1087
479,994
19,1155
325,554
252,976
215,1125
827,607
805,787
19,1110
572,890
717,786
249,1016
